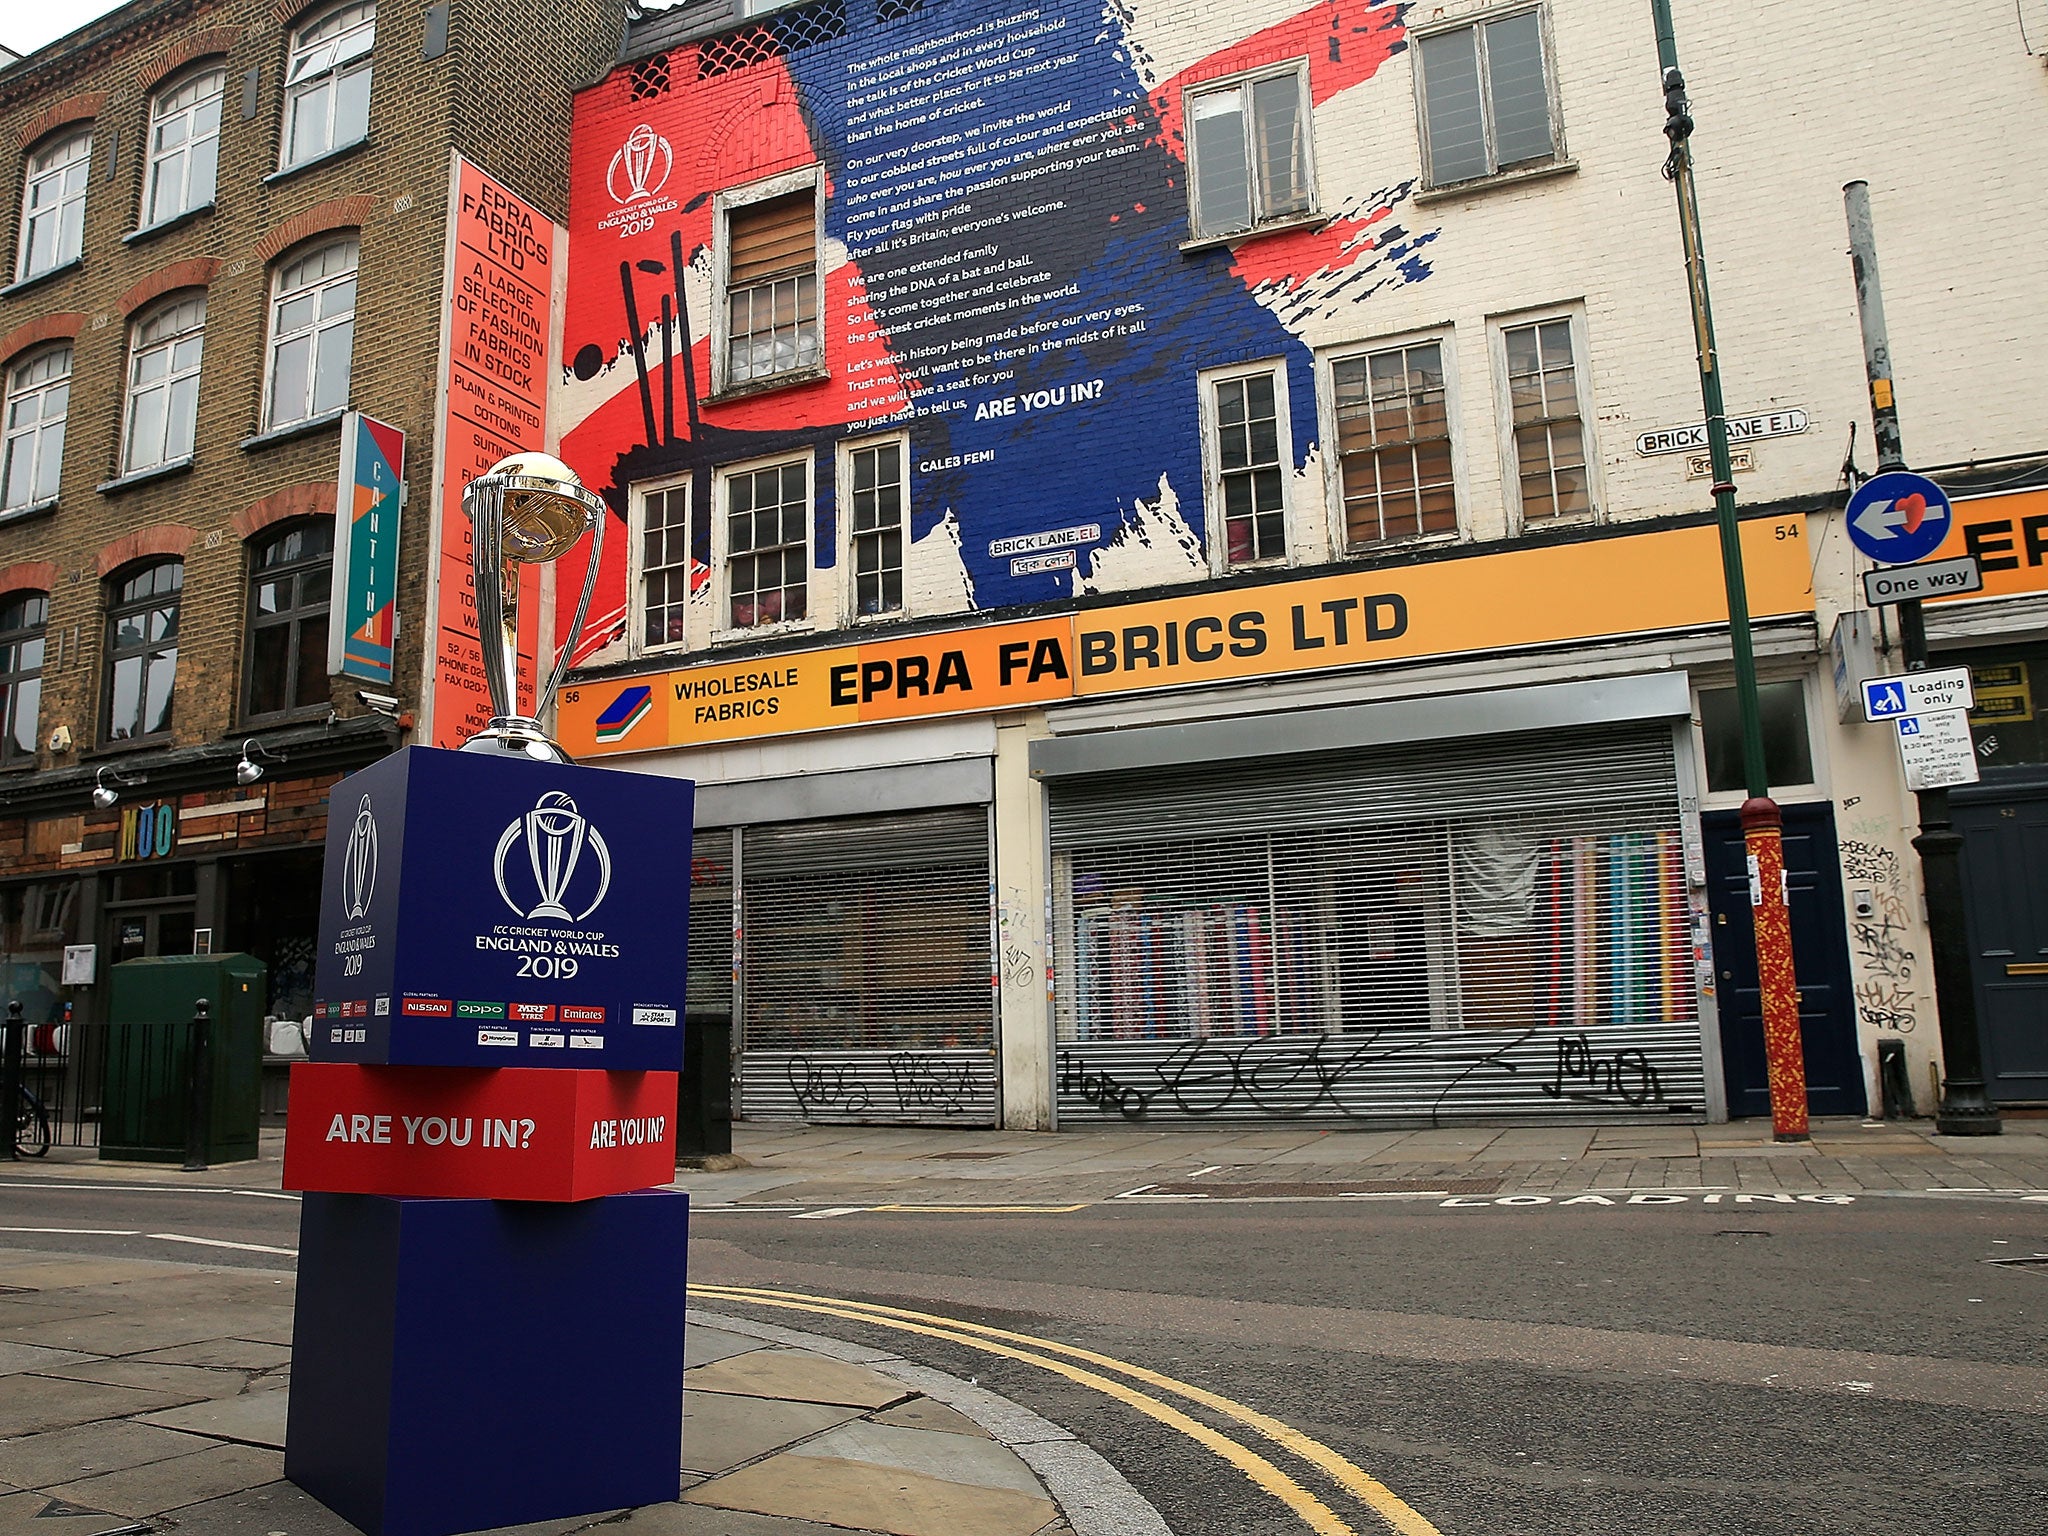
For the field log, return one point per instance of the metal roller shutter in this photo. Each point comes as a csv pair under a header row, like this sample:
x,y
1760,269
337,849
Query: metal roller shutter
x,y
709,988
866,962
1478,928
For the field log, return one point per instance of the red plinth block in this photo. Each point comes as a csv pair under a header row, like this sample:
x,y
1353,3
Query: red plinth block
x,y
510,1133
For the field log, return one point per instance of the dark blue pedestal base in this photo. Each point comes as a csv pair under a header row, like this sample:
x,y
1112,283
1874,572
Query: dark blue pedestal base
x,y
464,1364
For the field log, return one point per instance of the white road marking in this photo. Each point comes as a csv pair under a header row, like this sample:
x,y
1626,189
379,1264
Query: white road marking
x,y
220,1242
837,1210
1212,1168
76,1231
155,1189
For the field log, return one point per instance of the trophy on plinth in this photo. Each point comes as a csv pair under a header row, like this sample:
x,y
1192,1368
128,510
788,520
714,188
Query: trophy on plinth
x,y
492,1279
526,509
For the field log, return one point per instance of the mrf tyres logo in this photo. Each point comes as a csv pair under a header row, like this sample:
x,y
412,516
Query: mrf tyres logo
x,y
551,867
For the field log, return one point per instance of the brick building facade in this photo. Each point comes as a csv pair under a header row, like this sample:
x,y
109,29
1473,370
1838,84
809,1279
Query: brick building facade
x,y
1174,542
226,223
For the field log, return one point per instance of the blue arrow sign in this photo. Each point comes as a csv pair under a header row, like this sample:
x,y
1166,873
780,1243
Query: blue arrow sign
x,y
1898,517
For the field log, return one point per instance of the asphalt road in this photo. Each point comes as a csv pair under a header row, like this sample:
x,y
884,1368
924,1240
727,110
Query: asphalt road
x,y
1648,1370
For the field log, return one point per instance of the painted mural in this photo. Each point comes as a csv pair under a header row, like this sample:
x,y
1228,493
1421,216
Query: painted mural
x,y
1006,273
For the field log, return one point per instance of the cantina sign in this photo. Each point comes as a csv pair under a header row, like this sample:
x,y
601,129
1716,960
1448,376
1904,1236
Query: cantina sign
x,y
1666,580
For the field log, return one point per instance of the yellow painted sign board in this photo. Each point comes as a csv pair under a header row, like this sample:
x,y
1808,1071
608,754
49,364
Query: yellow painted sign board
x,y
1668,579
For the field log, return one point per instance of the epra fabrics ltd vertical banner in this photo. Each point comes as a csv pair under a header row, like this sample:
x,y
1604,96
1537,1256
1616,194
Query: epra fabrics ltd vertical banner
x,y
499,298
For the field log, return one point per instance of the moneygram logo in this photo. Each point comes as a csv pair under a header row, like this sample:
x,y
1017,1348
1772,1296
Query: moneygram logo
x,y
640,168
359,864
557,838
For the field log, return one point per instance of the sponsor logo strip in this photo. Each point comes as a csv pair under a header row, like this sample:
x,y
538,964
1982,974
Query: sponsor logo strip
x,y
428,1007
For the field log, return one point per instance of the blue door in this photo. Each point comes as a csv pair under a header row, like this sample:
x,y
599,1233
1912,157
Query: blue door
x,y
1820,958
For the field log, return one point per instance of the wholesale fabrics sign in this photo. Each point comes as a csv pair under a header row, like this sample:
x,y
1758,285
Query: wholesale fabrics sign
x,y
499,314
363,623
1632,584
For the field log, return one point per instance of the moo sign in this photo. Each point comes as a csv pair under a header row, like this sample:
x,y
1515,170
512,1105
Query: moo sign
x,y
484,911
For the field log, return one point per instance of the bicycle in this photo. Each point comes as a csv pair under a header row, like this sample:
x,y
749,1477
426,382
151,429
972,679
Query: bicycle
x,y
31,1125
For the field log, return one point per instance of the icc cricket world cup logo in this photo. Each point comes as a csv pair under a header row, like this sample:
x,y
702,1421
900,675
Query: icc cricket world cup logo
x,y
556,837
640,166
359,864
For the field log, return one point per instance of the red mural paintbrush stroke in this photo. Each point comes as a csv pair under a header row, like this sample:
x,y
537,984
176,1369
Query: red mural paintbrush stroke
x,y
1288,260
1346,42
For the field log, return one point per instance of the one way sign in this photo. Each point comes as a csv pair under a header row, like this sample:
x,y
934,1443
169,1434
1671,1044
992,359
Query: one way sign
x,y
1898,517
1917,693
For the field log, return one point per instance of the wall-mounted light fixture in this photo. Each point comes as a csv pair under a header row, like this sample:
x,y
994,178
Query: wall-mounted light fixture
x,y
248,770
105,795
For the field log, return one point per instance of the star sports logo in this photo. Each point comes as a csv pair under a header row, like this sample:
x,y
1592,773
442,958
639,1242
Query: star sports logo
x,y
623,713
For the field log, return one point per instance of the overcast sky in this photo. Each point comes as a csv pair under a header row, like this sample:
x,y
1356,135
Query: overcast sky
x,y
25,25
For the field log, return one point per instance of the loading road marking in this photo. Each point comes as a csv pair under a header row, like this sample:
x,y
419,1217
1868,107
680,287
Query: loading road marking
x,y
1368,1490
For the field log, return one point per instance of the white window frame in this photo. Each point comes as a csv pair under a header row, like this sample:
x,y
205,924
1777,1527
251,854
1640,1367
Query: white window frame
x,y
1816,738
164,112
849,586
175,381
275,341
332,48
1215,523
1497,327
1478,22
1442,337
49,169
42,450
1245,79
636,568
722,554
723,206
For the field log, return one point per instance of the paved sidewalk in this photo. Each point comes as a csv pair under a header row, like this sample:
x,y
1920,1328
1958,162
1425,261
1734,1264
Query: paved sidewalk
x,y
137,1395
868,1166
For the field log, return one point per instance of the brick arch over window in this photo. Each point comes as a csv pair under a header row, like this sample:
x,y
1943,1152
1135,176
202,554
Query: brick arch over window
x,y
161,539
28,576
196,273
60,327
200,45
322,218
313,498
72,109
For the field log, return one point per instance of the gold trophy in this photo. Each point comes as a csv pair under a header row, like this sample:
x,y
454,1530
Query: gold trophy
x,y
527,509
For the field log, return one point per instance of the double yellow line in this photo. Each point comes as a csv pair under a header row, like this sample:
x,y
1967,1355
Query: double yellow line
x,y
1318,1516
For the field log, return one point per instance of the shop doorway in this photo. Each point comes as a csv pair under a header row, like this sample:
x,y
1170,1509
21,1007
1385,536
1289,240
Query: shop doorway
x,y
151,912
2005,904
1820,954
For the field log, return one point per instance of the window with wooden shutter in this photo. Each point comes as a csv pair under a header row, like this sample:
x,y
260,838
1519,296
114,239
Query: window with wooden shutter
x,y
772,288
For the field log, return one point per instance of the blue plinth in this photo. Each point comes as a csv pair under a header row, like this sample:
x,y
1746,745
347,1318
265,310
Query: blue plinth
x,y
464,1364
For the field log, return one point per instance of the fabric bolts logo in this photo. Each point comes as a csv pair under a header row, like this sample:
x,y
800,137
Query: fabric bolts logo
x,y
557,836
359,863
623,713
641,165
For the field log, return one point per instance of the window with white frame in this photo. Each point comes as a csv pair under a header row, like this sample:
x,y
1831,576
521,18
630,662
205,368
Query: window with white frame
x,y
1547,417
665,575
24,619
771,288
1248,460
1248,151
876,477
53,204
184,145
767,513
1394,444
327,84
163,384
1484,94
312,335
32,428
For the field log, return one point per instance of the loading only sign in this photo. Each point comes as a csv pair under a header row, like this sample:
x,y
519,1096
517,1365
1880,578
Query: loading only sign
x,y
1917,693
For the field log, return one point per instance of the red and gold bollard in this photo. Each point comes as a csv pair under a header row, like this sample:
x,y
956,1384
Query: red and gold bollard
x,y
1784,1050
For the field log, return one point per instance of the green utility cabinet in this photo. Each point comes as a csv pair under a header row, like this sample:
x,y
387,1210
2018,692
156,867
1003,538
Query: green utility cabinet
x,y
149,1056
